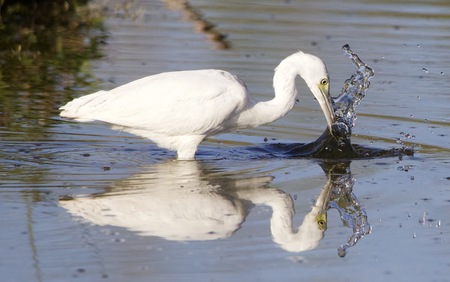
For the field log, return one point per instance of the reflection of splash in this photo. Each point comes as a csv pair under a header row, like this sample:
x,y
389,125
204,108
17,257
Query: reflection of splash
x,y
336,193
183,201
343,199
201,25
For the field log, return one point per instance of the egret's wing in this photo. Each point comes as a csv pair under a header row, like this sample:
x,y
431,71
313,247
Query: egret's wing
x,y
174,103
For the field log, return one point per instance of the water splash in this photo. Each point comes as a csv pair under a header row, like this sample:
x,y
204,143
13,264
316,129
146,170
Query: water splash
x,y
352,93
336,143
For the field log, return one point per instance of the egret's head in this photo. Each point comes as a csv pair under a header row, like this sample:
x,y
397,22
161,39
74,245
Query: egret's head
x,y
314,72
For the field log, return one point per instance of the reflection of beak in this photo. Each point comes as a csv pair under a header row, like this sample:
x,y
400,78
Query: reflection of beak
x,y
326,104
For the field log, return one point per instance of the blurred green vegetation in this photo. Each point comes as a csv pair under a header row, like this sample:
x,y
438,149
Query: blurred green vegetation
x,y
46,50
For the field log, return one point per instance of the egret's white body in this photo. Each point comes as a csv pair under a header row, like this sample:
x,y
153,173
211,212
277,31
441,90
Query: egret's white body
x,y
177,110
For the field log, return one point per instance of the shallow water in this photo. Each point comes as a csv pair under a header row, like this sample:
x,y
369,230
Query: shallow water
x,y
49,161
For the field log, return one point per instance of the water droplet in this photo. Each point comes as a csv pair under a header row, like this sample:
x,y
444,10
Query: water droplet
x,y
341,252
404,168
424,218
442,73
418,97
297,259
414,235
424,70
418,45
407,135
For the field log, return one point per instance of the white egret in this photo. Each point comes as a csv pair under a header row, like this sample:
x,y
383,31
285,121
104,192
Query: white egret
x,y
177,110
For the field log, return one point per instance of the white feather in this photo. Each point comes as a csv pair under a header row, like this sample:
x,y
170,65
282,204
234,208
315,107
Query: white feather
x,y
177,110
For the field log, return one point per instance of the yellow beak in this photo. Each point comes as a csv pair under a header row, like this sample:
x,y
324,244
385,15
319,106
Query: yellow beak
x,y
326,104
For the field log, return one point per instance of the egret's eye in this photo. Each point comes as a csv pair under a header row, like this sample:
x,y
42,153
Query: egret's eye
x,y
324,82
322,224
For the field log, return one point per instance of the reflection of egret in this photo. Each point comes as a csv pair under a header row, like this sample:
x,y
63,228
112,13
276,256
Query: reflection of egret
x,y
308,235
336,193
173,200
177,110
179,201
182,201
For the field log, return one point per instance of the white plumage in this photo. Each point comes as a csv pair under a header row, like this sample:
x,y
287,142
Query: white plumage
x,y
177,110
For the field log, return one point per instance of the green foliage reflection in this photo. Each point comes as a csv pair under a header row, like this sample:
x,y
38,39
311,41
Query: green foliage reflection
x,y
46,47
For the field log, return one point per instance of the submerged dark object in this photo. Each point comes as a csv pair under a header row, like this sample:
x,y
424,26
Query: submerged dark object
x,y
336,143
328,146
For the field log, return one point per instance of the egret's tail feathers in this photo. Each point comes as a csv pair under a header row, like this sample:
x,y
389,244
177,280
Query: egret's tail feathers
x,y
82,109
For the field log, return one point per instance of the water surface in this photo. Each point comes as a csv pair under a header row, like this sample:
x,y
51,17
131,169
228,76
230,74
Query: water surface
x,y
47,161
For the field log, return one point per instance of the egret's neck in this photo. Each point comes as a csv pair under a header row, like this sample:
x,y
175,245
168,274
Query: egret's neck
x,y
284,85
260,113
